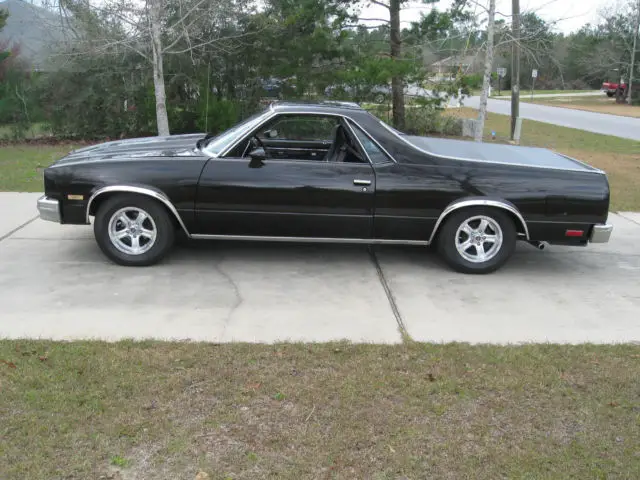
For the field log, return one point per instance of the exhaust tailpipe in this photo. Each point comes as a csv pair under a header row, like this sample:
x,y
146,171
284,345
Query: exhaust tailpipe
x,y
539,245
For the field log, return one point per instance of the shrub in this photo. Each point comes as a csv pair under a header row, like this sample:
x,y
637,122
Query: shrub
x,y
220,115
428,119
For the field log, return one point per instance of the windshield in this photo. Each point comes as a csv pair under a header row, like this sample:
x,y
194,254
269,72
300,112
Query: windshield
x,y
218,143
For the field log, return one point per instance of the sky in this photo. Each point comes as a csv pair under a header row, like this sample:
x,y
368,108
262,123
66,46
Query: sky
x,y
570,15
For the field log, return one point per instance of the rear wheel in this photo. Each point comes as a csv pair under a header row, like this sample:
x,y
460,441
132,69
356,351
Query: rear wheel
x,y
133,230
477,240
610,94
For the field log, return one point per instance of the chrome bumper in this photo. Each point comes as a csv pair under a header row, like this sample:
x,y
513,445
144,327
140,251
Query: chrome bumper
x,y
601,233
49,209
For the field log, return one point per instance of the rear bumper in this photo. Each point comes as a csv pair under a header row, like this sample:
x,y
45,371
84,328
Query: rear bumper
x,y
49,209
601,233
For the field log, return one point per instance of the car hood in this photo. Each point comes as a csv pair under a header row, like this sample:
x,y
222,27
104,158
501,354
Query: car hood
x,y
170,146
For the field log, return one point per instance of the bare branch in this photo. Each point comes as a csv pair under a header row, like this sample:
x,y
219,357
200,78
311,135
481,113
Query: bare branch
x,y
214,40
386,20
382,4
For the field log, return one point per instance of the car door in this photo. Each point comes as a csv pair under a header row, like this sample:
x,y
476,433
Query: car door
x,y
296,196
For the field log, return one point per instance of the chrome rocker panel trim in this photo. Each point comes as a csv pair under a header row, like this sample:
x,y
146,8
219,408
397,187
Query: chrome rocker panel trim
x,y
365,241
49,209
141,191
601,233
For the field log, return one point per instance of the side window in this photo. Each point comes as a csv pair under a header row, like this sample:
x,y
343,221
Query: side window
x,y
301,128
374,152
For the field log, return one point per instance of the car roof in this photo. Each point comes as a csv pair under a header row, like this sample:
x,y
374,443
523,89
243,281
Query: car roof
x,y
327,106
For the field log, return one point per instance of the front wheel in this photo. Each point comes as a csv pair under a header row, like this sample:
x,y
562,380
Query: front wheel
x,y
477,239
133,230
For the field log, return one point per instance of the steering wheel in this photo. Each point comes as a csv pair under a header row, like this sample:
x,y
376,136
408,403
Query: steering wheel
x,y
261,144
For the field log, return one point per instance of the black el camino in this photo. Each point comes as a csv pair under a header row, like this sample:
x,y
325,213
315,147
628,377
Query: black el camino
x,y
328,172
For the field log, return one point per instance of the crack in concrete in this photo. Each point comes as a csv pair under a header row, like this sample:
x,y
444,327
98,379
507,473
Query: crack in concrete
x,y
627,218
238,295
387,290
7,235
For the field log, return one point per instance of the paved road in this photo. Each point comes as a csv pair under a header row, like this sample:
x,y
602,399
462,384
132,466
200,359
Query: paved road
x,y
54,283
625,127
525,95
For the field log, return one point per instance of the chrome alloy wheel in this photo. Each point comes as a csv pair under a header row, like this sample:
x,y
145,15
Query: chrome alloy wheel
x,y
132,231
479,239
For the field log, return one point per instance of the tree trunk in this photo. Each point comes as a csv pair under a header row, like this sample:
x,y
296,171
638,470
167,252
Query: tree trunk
x,y
633,54
488,64
515,66
397,88
155,19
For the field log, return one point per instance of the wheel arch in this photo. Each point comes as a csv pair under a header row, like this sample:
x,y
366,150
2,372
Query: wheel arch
x,y
101,194
518,219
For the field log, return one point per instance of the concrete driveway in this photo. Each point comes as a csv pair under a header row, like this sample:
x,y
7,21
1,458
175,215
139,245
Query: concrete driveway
x,y
55,283
625,127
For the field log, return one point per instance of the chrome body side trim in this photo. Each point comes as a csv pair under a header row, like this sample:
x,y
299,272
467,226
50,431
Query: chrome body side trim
x,y
364,241
601,233
593,169
482,203
49,209
140,191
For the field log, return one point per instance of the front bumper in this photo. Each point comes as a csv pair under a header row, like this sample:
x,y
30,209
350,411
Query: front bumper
x,y
49,209
601,233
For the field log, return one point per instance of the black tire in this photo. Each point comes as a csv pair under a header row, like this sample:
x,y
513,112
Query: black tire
x,y
448,238
610,94
159,220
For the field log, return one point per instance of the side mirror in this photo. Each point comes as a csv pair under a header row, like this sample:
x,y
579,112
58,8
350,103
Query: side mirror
x,y
257,154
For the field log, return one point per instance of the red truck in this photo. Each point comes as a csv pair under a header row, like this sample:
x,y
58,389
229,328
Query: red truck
x,y
611,88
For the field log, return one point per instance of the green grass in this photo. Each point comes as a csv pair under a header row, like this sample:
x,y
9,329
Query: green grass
x,y
619,157
168,410
21,165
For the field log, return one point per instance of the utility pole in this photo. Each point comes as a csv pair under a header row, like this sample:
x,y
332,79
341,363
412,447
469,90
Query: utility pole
x,y
515,66
633,53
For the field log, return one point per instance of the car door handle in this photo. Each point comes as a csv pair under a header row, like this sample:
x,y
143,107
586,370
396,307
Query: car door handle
x,y
361,182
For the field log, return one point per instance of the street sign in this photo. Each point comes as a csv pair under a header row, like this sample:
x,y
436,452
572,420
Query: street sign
x,y
502,72
534,75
